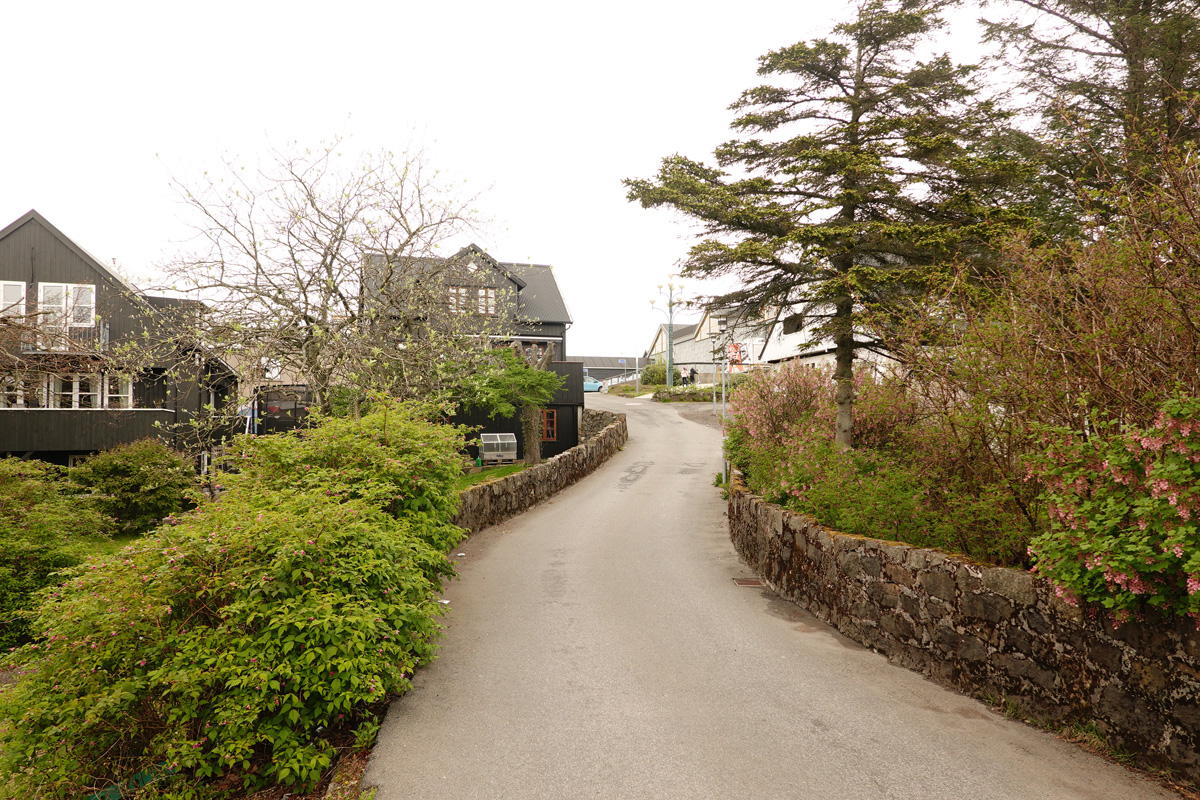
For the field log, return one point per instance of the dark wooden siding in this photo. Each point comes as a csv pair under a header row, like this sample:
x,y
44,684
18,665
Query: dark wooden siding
x,y
34,254
77,430
571,392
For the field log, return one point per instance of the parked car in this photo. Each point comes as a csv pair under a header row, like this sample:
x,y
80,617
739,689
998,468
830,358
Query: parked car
x,y
590,384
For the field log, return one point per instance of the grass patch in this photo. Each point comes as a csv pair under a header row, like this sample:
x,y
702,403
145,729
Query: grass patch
x,y
109,547
488,474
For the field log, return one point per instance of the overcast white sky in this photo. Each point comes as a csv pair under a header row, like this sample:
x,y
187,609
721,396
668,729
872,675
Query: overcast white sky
x,y
543,106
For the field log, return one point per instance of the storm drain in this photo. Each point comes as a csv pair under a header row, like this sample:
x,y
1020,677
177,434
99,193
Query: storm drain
x,y
747,582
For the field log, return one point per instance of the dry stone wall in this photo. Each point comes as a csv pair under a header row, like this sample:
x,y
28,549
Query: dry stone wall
x,y
487,504
991,632
595,420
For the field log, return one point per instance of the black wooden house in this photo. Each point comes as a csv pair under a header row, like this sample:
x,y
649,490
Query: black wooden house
x,y
87,361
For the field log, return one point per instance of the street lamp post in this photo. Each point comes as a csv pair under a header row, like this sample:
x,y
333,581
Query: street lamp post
x,y
674,296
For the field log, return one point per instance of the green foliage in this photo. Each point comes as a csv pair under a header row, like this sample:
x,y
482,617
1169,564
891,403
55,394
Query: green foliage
x,y
364,734
43,525
894,486
489,474
655,373
391,458
1125,507
139,483
508,384
225,641
863,172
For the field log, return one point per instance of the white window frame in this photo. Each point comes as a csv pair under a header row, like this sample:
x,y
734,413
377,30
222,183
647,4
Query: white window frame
x,y
118,388
74,379
16,309
23,388
71,305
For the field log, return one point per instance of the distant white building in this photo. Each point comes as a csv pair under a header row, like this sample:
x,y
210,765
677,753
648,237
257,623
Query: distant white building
x,y
793,337
721,335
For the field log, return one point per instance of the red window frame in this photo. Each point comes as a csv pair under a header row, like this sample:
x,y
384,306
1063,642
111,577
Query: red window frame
x,y
549,425
487,302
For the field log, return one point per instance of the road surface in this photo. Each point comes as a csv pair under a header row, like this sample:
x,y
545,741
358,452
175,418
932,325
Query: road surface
x,y
598,647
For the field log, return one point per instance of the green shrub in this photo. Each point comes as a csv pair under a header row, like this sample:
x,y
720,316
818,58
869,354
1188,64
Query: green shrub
x,y
895,485
656,373
224,642
139,483
1125,507
42,527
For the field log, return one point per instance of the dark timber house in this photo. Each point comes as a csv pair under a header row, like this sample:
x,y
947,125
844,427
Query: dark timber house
x,y
87,362
526,300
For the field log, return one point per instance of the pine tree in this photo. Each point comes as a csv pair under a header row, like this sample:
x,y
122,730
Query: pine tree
x,y
1113,83
862,172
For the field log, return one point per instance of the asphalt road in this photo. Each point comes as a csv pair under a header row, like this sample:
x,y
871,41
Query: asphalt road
x,y
598,647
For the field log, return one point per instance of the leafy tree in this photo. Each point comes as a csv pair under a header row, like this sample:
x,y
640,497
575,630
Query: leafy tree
x,y
863,170
655,373
1112,81
515,383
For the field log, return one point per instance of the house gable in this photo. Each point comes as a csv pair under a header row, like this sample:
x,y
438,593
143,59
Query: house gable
x,y
33,252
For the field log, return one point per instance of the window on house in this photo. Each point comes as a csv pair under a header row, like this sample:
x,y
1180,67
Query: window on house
x,y
533,351
118,392
12,299
793,323
23,390
549,425
67,304
76,391
460,299
487,302
12,392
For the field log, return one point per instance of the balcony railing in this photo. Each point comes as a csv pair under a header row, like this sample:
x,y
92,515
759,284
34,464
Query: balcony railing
x,y
71,339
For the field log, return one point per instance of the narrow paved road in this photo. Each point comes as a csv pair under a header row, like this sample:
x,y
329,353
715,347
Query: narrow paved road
x,y
598,648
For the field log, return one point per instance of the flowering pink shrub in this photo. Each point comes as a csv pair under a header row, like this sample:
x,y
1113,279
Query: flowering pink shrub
x,y
1124,510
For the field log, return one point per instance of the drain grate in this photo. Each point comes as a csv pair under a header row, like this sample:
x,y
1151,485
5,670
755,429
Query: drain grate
x,y
747,582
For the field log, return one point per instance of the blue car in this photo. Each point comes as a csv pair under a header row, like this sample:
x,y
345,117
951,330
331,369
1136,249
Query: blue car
x,y
590,384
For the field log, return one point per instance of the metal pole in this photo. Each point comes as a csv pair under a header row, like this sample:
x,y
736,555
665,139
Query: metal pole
x,y
724,372
670,341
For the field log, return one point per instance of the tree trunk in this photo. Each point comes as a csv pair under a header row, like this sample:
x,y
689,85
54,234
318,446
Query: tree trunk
x,y
843,342
531,416
531,433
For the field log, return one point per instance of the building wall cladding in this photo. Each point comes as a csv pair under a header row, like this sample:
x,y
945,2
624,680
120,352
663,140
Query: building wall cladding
x,y
487,504
987,631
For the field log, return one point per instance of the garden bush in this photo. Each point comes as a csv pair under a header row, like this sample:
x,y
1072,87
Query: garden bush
x,y
901,482
1125,506
139,483
220,645
656,373
43,526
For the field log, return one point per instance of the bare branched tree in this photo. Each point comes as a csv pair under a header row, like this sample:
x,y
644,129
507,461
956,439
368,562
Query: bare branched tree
x,y
323,271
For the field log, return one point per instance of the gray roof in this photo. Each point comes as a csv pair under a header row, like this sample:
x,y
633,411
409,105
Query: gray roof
x,y
540,300
609,362
538,296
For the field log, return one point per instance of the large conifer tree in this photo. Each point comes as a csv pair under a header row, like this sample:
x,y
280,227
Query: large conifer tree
x,y
863,169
